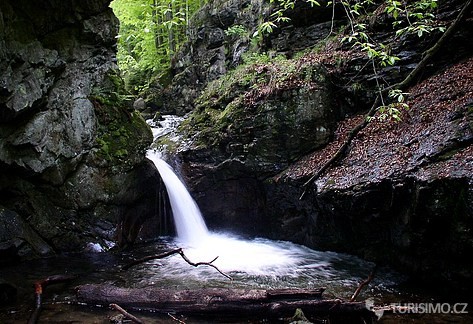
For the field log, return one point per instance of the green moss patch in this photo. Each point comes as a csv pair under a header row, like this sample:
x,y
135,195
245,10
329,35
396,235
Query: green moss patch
x,y
123,135
228,105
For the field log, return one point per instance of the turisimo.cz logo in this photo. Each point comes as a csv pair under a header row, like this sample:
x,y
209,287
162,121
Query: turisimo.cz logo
x,y
378,311
417,308
430,308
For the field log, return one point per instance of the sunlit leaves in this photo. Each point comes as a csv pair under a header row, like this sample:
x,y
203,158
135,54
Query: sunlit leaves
x,y
236,30
397,95
150,32
313,3
393,110
415,17
394,8
267,27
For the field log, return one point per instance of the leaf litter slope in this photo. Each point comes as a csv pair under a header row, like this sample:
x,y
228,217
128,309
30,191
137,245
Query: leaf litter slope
x,y
434,138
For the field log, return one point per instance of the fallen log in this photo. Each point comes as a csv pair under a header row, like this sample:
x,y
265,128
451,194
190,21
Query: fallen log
x,y
220,301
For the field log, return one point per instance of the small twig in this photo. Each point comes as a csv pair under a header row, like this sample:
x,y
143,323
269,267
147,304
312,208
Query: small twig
x,y
332,20
362,284
181,253
126,314
176,319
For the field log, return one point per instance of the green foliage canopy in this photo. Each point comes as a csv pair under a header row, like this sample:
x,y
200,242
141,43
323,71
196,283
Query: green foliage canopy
x,y
150,33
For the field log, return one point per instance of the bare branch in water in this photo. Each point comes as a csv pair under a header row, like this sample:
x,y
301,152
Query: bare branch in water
x,y
362,284
181,253
126,314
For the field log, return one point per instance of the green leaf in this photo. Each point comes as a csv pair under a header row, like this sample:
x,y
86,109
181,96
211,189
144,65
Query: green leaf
x,y
313,3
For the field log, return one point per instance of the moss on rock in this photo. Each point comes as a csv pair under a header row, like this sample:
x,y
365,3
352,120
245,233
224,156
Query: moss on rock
x,y
123,134
268,111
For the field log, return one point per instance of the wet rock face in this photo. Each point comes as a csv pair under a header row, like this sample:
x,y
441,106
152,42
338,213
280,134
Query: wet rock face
x,y
210,52
70,151
45,82
229,158
420,228
230,195
221,33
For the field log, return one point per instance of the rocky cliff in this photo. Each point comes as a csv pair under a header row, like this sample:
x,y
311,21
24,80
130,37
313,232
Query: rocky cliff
x,y
72,164
259,128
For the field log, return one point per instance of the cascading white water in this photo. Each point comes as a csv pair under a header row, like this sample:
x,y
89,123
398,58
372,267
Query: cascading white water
x,y
190,225
256,257
259,257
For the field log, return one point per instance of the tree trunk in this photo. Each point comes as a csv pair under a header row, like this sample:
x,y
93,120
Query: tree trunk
x,y
221,301
171,38
158,21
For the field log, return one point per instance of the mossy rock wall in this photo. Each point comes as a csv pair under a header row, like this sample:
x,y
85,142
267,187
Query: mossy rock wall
x,y
71,148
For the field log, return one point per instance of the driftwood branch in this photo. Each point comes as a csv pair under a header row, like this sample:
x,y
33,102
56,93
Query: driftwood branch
x,y
126,314
363,284
39,287
181,253
150,257
428,54
204,263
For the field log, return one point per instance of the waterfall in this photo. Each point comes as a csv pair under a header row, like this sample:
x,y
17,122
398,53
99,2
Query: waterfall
x,y
258,257
190,225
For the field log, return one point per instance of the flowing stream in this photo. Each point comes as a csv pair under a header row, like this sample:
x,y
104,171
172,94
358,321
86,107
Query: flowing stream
x,y
257,263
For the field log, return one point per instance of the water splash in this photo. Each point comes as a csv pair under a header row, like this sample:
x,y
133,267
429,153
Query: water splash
x,y
257,257
166,126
